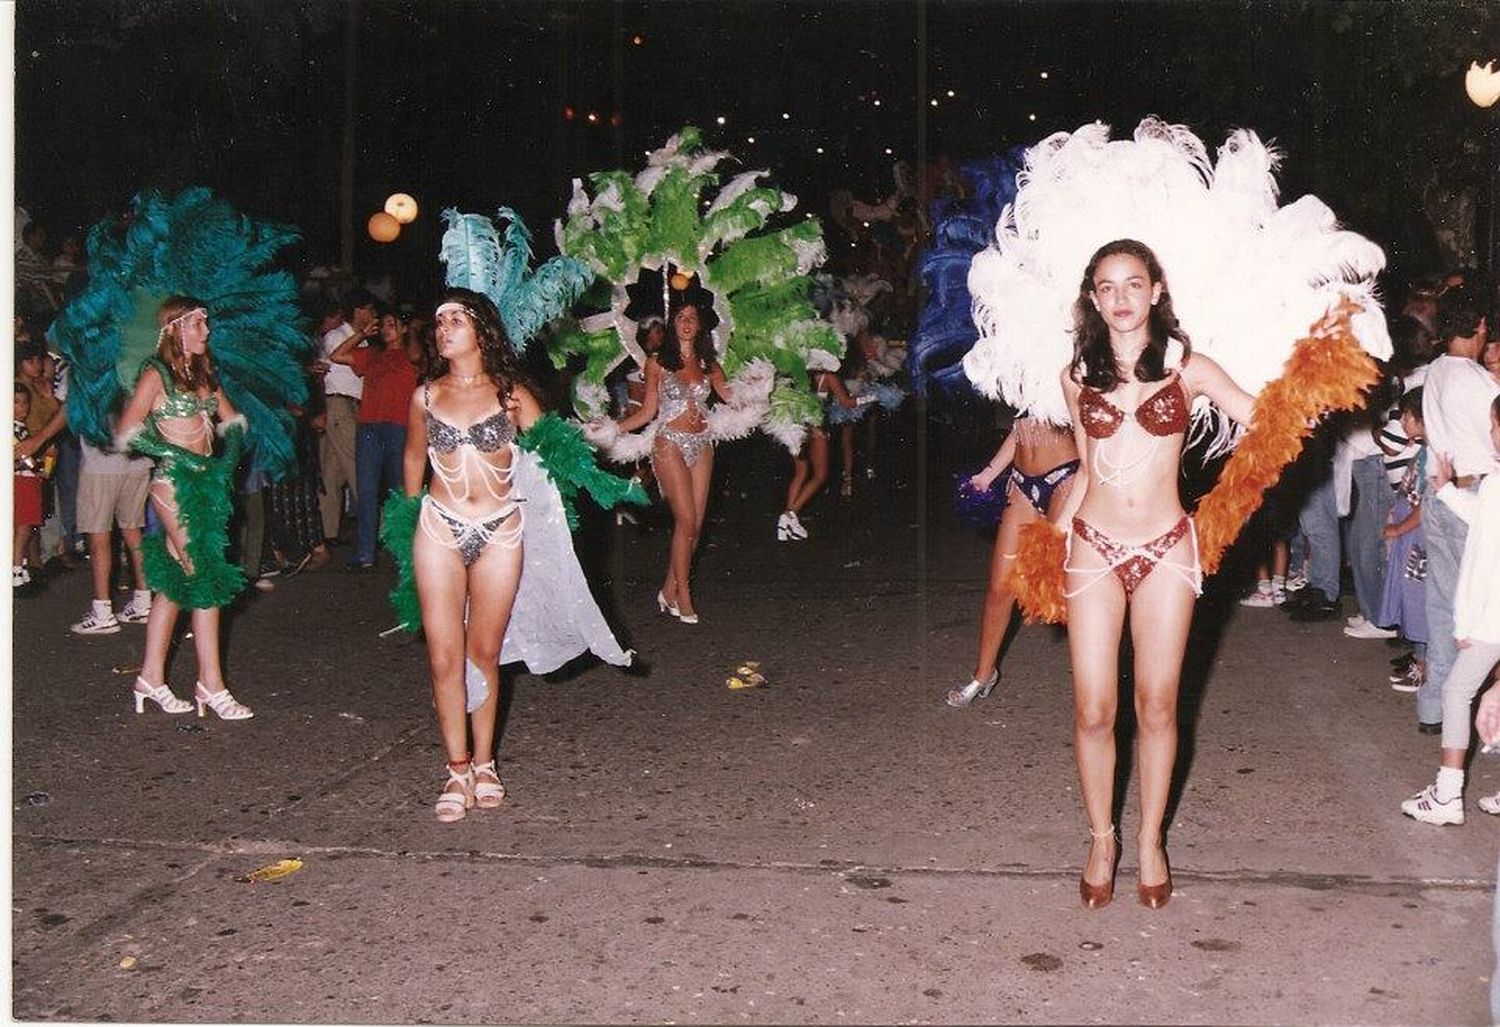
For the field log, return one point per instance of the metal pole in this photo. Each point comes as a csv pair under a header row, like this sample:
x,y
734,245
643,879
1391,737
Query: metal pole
x,y
346,177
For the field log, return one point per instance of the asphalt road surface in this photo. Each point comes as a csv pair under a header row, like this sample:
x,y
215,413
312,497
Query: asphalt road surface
x,y
835,847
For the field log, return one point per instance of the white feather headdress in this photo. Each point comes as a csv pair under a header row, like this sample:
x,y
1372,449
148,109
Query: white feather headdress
x,y
1246,277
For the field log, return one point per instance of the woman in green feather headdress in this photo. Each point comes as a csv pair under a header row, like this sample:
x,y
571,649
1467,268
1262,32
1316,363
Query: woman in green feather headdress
x,y
679,379
171,416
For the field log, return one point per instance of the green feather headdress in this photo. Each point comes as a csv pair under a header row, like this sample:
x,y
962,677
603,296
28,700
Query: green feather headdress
x,y
758,278
195,245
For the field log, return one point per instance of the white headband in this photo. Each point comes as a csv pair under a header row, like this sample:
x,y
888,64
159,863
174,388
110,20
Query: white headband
x,y
453,306
179,317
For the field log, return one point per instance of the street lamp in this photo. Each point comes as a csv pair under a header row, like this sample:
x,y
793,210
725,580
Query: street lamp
x,y
1483,87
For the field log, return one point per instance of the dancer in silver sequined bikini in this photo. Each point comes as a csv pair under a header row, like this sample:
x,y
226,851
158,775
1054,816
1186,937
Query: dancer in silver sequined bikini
x,y
679,380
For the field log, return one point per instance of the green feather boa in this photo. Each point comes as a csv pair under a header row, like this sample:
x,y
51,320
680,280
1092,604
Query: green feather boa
x,y
203,489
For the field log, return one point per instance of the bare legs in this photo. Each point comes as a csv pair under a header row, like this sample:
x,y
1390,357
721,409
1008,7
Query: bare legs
x,y
1160,614
446,588
686,491
809,472
999,599
163,620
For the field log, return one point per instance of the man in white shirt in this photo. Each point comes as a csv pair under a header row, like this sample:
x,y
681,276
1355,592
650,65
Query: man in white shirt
x,y
342,388
1456,416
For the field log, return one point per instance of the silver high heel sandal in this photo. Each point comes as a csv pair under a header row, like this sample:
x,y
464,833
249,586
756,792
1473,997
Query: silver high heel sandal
x,y
975,689
221,702
784,528
666,607
159,694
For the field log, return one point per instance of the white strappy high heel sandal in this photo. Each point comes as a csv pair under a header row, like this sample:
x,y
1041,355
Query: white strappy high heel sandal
x,y
975,689
487,794
665,607
159,694
221,702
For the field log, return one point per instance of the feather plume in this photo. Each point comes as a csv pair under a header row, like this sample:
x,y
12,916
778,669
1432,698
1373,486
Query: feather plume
x,y
1207,223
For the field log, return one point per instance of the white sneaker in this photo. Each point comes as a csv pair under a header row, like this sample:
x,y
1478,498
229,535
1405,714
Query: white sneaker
x,y
19,576
1367,630
1358,620
1260,598
1424,806
794,525
1296,583
1491,804
264,584
134,612
97,624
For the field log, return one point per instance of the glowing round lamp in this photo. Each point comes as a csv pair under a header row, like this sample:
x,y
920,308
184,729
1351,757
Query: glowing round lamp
x,y
401,207
1483,84
382,227
681,281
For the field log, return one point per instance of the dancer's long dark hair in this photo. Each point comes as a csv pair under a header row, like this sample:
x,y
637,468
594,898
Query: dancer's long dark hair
x,y
1093,359
499,359
670,354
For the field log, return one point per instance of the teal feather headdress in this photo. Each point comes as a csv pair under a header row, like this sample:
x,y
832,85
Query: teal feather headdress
x,y
195,245
477,259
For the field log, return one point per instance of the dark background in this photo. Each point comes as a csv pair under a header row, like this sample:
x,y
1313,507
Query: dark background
x,y
464,103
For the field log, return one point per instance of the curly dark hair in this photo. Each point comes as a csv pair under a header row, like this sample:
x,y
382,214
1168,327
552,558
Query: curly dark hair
x,y
670,354
499,359
1093,360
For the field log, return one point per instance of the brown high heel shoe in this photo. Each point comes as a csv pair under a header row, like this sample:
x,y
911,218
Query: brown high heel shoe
x,y
1155,896
1097,896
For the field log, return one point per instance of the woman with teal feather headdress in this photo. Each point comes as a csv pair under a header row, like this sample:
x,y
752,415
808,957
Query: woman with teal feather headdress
x,y
171,416
134,331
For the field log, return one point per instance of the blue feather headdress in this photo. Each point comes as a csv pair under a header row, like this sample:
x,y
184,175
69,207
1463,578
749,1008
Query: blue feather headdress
x,y
961,228
477,259
195,245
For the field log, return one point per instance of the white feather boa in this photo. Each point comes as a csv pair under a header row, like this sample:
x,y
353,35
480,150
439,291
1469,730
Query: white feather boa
x,y
1246,277
750,408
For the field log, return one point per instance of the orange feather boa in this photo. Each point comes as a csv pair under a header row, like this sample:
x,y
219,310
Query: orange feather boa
x,y
1328,370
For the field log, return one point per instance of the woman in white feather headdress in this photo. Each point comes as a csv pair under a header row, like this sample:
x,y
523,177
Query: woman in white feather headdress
x,y
1132,551
1109,355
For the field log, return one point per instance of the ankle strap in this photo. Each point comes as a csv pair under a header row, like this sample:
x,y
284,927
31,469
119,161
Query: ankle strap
x,y
467,761
1106,833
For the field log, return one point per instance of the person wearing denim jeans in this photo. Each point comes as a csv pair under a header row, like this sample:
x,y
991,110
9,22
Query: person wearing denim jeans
x,y
1367,549
1319,521
1445,533
1456,416
389,374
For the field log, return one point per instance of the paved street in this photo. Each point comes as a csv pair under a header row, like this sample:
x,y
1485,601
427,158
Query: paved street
x,y
837,847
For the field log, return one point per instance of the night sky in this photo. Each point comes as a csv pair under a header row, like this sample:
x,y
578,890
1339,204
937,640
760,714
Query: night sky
x,y
464,104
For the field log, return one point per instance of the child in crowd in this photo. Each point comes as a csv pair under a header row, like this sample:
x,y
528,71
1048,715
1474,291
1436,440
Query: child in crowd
x,y
1403,602
1476,626
28,493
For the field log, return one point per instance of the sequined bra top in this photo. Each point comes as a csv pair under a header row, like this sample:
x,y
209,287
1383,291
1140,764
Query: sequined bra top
x,y
490,435
1164,413
179,403
676,397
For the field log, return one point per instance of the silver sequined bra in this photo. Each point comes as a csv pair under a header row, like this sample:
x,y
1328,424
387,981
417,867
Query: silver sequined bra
x,y
675,397
488,436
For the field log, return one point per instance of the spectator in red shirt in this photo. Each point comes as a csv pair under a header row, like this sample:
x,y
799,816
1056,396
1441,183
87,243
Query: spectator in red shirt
x,y
389,370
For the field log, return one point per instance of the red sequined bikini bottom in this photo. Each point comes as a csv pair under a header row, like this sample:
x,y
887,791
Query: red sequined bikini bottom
x,y
1133,562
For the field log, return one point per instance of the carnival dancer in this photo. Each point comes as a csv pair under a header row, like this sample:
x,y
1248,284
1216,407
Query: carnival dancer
x,y
810,465
1132,551
1111,353
183,271
486,559
1034,469
679,380
172,416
